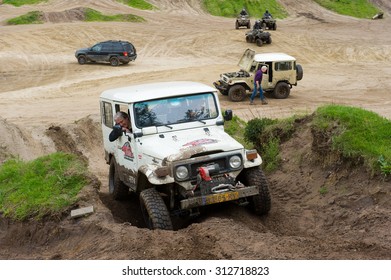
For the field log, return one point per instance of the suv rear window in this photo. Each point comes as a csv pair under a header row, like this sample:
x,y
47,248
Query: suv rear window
x,y
128,47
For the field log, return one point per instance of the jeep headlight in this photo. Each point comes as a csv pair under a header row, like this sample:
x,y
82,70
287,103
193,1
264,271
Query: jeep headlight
x,y
181,172
235,162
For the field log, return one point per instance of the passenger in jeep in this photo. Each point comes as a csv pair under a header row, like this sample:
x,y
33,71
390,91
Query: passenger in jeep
x,y
122,124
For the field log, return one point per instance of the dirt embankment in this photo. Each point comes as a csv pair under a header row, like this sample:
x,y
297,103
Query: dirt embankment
x,y
320,209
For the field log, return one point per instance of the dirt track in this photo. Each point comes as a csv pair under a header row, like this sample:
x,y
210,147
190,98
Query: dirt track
x,y
345,61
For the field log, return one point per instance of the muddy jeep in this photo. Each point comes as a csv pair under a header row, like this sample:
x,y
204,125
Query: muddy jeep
x,y
282,73
242,20
268,23
259,37
177,158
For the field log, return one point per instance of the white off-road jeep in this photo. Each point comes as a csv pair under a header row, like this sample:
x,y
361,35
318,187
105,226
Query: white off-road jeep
x,y
177,157
282,73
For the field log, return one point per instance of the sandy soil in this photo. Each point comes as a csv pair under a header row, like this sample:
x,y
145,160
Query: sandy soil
x,y
49,102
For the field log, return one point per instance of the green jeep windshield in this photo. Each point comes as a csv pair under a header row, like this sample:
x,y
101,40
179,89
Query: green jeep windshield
x,y
174,110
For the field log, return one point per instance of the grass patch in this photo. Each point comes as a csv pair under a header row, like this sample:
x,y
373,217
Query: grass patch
x,y
18,3
235,128
93,15
34,17
139,4
47,185
354,8
232,8
357,134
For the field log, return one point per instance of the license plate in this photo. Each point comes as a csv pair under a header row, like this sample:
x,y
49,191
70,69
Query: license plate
x,y
218,198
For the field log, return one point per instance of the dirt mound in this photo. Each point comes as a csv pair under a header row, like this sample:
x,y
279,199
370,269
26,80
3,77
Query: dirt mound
x,y
76,14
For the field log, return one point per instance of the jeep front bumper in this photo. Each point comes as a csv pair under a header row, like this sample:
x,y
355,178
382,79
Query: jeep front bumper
x,y
221,86
204,200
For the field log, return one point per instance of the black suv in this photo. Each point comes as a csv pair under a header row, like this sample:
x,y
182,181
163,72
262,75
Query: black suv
x,y
108,51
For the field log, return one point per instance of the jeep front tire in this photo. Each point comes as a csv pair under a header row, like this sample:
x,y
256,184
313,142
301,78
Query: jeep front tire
x,y
237,93
155,213
260,203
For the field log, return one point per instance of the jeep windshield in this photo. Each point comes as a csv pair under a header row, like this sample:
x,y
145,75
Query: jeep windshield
x,y
173,110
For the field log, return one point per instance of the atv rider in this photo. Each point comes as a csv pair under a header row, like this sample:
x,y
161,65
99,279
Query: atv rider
x,y
267,14
257,25
243,12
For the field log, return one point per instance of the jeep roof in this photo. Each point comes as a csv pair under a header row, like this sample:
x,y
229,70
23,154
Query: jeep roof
x,y
157,90
249,56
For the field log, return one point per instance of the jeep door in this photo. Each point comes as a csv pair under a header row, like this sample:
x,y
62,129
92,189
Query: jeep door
x,y
100,52
126,156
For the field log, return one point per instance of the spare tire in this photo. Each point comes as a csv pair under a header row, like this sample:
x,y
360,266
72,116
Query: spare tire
x,y
299,72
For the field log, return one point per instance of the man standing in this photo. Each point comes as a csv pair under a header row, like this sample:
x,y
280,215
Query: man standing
x,y
257,86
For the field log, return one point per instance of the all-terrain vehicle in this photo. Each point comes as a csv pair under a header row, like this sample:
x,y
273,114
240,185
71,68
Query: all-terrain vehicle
x,y
282,73
177,157
243,20
259,37
268,23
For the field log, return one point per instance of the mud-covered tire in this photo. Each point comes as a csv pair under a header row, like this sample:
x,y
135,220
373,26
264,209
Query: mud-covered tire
x,y
275,26
260,203
82,59
282,90
117,189
248,25
155,213
259,42
114,61
237,93
299,72
237,25
249,39
269,40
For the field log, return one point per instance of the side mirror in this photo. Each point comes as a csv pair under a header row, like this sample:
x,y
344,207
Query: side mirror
x,y
227,115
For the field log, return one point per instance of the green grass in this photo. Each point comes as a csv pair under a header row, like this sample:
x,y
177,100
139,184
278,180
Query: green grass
x,y
235,128
19,3
93,15
47,185
256,8
34,17
354,8
357,133
138,4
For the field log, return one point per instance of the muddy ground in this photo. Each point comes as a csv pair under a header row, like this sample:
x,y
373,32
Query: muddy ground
x,y
48,102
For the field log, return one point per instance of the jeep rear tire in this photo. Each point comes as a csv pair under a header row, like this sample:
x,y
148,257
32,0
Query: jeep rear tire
x,y
260,203
237,93
114,61
117,189
155,213
282,90
82,59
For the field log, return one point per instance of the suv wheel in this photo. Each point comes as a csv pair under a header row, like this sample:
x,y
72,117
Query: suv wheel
x,y
237,93
114,61
261,202
282,90
154,211
82,59
117,188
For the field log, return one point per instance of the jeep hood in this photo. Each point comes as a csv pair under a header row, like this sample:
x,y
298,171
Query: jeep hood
x,y
185,143
247,59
